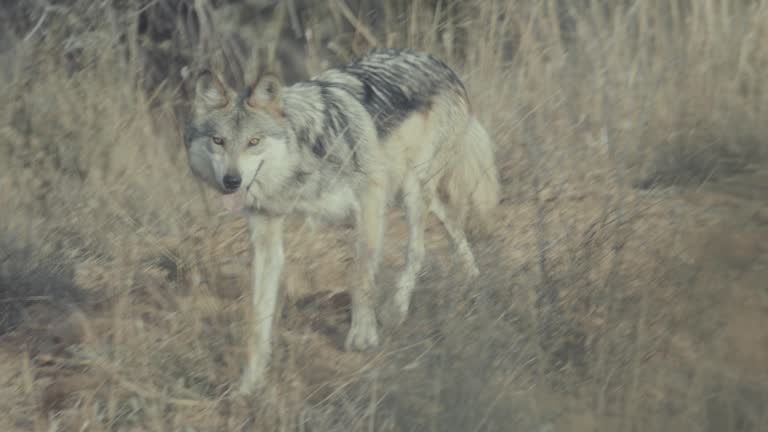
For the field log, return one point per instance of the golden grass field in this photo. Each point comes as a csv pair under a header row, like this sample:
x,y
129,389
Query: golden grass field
x,y
624,279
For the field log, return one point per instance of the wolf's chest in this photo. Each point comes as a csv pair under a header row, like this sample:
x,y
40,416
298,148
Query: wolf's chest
x,y
334,205
331,205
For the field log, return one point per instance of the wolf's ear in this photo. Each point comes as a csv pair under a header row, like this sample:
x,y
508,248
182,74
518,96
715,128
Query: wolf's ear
x,y
210,93
267,92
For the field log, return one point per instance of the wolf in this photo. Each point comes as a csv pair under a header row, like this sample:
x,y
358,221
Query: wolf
x,y
394,126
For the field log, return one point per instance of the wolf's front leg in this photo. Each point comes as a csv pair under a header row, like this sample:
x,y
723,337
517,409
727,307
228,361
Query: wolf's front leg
x,y
363,334
267,249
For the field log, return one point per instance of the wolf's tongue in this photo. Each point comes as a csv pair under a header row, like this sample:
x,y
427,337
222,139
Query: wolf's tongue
x,y
233,202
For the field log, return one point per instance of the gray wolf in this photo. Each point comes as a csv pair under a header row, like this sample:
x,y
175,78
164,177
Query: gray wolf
x,y
393,126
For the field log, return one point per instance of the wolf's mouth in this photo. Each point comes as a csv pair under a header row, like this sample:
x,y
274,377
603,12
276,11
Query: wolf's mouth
x,y
235,200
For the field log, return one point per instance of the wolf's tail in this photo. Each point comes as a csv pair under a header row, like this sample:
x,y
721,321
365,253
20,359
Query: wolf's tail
x,y
473,179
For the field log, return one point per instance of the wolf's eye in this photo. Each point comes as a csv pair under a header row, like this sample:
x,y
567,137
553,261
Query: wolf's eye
x,y
219,141
254,142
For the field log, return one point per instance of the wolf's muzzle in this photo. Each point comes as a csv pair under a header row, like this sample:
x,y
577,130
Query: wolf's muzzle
x,y
231,182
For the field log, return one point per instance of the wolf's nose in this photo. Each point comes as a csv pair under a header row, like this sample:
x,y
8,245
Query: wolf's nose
x,y
232,182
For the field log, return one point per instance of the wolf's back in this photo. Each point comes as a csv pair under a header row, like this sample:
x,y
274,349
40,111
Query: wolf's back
x,y
392,84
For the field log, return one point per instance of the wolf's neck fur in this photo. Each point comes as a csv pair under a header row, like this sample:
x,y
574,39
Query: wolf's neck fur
x,y
328,122
323,166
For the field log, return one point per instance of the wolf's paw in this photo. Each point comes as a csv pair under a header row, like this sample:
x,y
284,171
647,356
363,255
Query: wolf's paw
x,y
472,270
396,309
363,335
470,267
253,380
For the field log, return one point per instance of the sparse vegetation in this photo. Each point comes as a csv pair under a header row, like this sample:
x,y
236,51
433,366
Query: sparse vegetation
x,y
623,279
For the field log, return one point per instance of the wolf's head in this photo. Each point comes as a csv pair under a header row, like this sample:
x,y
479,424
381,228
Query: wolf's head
x,y
239,143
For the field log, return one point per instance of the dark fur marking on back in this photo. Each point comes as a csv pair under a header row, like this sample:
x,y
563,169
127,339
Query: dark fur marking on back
x,y
396,83
367,94
318,147
336,125
302,136
300,176
341,125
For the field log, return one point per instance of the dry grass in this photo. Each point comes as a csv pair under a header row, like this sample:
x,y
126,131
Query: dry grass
x,y
623,287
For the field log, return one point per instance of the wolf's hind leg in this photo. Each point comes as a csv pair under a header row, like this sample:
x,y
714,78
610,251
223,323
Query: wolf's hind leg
x,y
453,220
416,216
